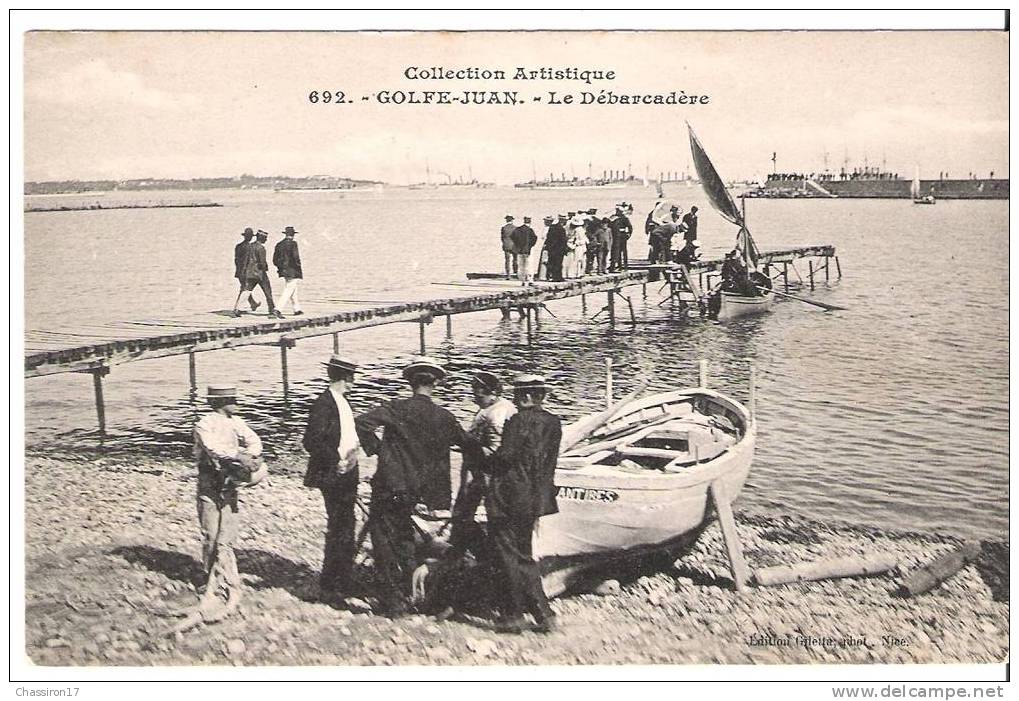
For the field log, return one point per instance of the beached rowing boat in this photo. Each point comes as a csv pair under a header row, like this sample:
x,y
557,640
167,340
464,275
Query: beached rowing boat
x,y
638,484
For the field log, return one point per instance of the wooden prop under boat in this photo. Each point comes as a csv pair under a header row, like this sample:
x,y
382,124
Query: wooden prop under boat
x,y
638,484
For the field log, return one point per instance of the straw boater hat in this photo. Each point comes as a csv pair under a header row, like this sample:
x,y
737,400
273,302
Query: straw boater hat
x,y
262,234
341,363
489,381
424,364
527,381
221,392
563,217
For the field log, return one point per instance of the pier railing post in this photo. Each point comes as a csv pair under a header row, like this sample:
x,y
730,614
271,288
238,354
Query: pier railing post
x,y
703,364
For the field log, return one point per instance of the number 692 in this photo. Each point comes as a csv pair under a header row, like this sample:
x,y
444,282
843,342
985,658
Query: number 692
x,y
327,96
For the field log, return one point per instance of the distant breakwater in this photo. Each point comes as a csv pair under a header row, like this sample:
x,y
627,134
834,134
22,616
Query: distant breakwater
x,y
86,208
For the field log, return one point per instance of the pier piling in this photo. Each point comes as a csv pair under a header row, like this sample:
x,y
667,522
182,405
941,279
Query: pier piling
x,y
785,275
703,373
611,297
421,336
97,385
827,262
449,326
530,329
285,371
192,374
810,272
336,343
608,383
838,268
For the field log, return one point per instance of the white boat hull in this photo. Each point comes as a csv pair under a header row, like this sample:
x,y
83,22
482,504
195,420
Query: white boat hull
x,y
611,515
735,306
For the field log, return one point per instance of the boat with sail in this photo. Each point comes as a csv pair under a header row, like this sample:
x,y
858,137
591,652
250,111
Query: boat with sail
x,y
914,190
634,480
743,290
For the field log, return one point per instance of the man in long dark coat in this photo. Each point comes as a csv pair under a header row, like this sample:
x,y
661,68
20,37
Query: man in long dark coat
x,y
413,468
521,490
555,244
332,444
246,271
622,229
263,266
287,259
524,239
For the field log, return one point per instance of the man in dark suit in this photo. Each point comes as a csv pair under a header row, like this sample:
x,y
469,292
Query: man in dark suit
x,y
690,225
521,490
555,244
413,468
263,266
287,260
622,229
332,444
246,271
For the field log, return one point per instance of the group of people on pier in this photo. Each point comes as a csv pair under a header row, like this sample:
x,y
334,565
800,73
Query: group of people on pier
x,y
509,458
580,243
251,269
576,243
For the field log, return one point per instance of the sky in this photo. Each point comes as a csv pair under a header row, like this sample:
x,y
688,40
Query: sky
x,y
120,105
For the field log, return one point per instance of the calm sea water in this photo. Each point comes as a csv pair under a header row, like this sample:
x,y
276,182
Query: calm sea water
x,y
894,413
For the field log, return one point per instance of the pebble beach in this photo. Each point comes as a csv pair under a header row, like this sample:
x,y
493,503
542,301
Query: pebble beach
x,y
111,541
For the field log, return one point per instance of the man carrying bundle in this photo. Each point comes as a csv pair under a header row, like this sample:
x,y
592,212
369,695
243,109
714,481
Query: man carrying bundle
x,y
228,455
413,468
521,490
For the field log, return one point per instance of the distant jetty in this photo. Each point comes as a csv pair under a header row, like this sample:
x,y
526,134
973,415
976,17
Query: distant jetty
x,y
91,207
873,184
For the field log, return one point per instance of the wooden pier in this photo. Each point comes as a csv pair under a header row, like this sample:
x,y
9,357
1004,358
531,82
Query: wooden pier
x,y
95,349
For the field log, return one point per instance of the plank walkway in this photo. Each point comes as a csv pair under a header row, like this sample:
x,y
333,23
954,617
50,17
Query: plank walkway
x,y
96,347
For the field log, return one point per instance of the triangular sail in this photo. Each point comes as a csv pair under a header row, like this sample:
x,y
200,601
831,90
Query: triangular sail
x,y
720,198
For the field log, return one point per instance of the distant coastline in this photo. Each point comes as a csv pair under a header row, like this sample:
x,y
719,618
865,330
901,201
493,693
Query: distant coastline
x,y
241,182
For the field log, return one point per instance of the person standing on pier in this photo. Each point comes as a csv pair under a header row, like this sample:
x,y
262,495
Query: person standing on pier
x,y
622,229
576,242
556,245
287,260
603,233
510,258
228,453
246,271
591,225
521,491
263,266
413,468
524,239
690,225
332,444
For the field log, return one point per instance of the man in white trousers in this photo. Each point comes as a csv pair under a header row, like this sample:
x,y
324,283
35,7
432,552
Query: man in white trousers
x,y
287,260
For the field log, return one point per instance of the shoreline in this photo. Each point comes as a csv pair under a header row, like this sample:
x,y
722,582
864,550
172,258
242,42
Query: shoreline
x,y
97,564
